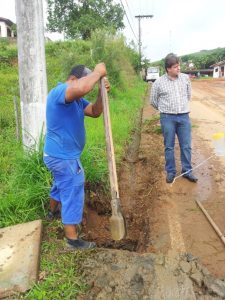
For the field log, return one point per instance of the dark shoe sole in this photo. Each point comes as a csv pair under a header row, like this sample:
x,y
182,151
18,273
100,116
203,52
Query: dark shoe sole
x,y
81,245
191,179
70,247
53,216
170,180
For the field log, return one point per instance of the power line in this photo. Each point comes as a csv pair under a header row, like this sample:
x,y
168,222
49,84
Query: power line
x,y
130,11
128,19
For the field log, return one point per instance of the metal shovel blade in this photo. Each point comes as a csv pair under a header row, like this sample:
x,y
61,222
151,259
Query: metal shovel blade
x,y
117,224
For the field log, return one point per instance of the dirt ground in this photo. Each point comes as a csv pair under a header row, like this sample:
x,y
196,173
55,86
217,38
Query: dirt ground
x,y
162,218
186,228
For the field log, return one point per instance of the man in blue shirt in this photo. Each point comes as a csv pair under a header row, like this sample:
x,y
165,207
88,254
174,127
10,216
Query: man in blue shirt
x,y
65,140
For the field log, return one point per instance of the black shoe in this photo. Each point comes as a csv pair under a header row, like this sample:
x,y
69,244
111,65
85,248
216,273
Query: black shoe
x,y
80,244
190,177
52,215
170,178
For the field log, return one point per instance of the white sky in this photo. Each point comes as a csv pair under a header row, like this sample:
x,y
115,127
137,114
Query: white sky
x,y
179,26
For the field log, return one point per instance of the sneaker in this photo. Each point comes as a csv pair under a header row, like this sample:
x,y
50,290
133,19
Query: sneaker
x,y
80,244
190,177
170,178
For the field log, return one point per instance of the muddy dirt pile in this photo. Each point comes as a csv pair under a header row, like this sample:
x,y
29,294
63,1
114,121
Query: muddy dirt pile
x,y
123,275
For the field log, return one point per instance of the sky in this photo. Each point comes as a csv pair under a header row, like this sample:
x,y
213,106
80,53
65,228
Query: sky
x,y
177,26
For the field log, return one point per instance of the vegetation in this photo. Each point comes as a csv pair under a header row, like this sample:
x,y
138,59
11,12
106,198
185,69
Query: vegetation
x,y
24,175
200,60
60,276
205,58
79,19
24,180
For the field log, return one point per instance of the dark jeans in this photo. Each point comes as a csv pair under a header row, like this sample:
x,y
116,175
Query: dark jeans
x,y
180,125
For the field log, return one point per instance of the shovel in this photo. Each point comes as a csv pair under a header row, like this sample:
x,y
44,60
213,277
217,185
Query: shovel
x,y
117,224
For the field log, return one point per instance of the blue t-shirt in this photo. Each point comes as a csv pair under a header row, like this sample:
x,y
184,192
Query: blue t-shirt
x,y
65,137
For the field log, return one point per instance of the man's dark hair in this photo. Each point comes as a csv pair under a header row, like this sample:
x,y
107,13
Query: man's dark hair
x,y
79,71
170,60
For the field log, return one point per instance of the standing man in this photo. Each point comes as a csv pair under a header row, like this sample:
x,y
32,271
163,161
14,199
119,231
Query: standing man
x,y
170,95
65,140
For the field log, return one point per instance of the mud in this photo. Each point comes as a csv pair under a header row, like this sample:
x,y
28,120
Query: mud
x,y
122,275
161,218
138,175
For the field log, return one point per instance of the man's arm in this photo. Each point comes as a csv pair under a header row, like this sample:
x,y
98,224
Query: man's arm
x,y
84,85
154,96
95,110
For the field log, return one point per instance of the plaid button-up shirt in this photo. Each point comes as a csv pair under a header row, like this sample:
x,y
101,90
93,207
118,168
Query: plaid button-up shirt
x,y
171,96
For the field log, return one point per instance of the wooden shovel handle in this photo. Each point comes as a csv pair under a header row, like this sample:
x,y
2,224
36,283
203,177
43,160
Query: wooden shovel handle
x,y
109,143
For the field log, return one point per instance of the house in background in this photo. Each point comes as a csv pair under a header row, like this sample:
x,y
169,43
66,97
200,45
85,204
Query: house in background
x,y
6,28
218,69
198,73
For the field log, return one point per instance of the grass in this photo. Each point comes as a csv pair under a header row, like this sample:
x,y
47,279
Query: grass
x,y
152,120
153,124
124,106
25,188
60,276
157,129
24,196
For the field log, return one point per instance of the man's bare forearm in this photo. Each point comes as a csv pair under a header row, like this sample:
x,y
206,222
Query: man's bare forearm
x,y
97,106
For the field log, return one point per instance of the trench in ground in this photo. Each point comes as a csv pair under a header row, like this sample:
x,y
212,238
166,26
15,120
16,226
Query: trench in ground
x,y
138,175
160,217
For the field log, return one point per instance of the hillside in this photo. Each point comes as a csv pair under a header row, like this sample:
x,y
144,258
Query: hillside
x,y
201,60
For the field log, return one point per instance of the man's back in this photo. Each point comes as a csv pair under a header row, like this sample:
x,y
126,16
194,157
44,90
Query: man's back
x,y
65,136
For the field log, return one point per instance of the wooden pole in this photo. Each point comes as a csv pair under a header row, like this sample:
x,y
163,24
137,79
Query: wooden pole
x,y
32,69
212,222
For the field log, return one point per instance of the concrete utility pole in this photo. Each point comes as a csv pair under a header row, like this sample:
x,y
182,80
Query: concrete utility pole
x,y
32,69
139,32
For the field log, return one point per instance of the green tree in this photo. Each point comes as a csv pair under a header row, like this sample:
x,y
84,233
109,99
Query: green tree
x,y
78,18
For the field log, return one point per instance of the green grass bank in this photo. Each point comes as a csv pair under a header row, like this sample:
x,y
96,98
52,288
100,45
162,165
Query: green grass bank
x,y
24,180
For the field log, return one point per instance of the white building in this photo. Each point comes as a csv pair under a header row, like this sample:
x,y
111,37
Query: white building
x,y
218,69
6,28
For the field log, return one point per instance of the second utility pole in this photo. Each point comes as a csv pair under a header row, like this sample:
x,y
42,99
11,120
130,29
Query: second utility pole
x,y
139,33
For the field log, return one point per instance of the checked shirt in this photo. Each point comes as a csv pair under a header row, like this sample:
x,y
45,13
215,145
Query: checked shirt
x,y
171,96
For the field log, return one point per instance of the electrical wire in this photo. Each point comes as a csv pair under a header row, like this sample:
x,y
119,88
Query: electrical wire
x,y
132,17
193,168
128,20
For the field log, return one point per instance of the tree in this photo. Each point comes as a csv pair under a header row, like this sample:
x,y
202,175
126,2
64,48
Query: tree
x,y
78,18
